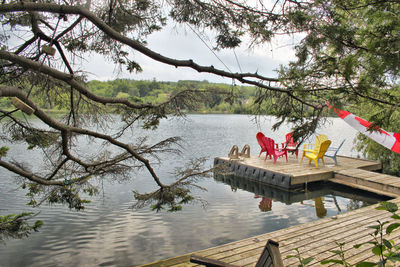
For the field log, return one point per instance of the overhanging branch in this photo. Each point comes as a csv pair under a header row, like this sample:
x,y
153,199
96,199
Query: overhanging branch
x,y
9,91
80,10
245,78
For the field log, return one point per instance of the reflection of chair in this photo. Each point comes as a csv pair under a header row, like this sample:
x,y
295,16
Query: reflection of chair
x,y
270,257
317,153
319,207
265,203
271,150
332,151
259,137
290,144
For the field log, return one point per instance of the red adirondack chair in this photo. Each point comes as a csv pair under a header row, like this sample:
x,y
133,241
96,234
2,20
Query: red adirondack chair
x,y
259,137
271,150
290,144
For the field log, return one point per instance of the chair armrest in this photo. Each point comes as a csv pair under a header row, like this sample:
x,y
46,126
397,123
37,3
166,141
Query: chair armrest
x,y
308,150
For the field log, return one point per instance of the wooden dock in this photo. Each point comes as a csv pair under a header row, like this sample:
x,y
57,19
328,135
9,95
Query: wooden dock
x,y
314,239
291,174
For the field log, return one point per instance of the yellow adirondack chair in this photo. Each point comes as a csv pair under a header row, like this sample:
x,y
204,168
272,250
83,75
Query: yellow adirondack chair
x,y
317,153
312,147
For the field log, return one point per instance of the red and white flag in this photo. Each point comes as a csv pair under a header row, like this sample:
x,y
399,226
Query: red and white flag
x,y
387,139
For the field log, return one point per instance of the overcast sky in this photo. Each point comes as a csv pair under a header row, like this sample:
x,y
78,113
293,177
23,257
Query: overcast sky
x,y
182,43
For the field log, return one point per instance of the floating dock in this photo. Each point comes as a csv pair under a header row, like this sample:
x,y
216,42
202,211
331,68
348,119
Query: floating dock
x,y
314,239
291,174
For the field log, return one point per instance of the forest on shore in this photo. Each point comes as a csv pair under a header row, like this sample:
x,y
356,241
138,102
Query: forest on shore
x,y
152,91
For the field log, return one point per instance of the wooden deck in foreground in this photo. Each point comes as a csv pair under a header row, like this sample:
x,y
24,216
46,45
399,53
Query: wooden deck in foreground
x,y
314,239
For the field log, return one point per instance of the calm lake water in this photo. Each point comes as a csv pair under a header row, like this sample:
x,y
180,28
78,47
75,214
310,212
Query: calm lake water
x,y
110,233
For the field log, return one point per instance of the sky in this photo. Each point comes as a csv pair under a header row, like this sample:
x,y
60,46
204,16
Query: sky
x,y
182,43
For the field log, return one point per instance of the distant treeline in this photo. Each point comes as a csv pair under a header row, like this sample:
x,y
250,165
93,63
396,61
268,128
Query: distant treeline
x,y
155,91
234,99
152,91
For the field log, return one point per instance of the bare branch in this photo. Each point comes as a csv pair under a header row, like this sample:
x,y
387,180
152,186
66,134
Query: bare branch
x,y
30,176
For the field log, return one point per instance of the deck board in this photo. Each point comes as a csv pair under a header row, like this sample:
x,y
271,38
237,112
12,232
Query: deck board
x,y
316,238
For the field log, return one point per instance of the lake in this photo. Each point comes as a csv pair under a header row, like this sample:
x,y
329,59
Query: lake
x,y
110,233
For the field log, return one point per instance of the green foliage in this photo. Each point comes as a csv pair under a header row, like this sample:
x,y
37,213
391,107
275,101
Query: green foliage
x,y
17,225
340,253
388,206
5,102
3,151
133,66
172,197
303,261
159,92
122,95
33,137
349,56
382,247
67,195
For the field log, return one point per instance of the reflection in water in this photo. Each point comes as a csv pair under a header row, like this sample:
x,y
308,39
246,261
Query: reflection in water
x,y
354,204
320,193
320,209
265,203
319,206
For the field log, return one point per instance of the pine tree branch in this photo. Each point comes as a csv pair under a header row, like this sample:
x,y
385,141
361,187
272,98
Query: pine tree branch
x,y
10,91
80,10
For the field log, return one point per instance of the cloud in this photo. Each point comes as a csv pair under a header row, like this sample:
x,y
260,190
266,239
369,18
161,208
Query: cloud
x,y
180,42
